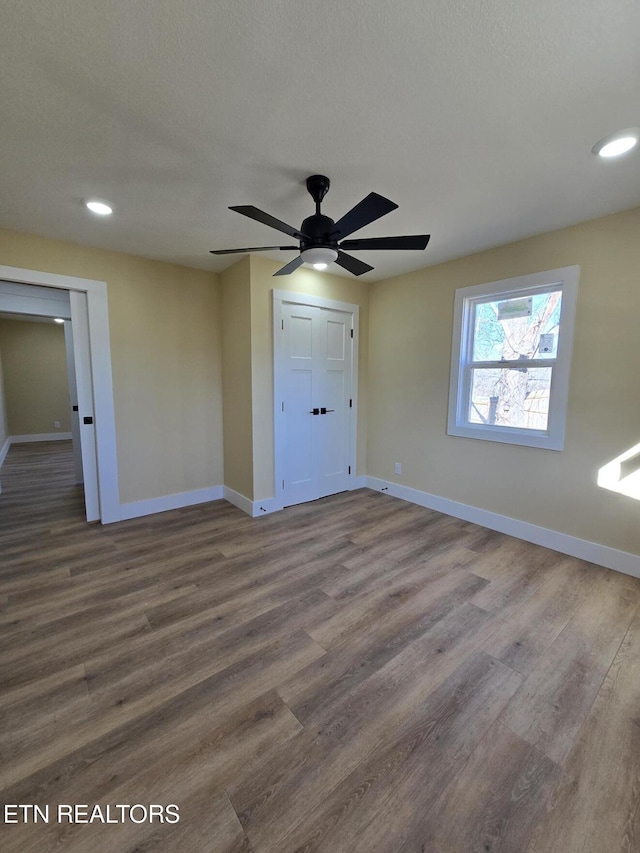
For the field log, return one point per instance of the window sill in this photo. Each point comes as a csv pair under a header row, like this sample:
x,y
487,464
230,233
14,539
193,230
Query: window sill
x,y
504,435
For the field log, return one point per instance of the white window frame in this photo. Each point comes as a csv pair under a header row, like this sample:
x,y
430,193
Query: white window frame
x,y
466,298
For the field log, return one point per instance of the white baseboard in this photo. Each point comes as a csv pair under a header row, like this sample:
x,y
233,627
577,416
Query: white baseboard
x,y
40,436
136,509
583,549
269,505
4,450
602,555
235,498
252,508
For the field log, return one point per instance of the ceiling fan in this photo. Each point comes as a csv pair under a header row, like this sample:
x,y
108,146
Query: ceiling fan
x,y
322,240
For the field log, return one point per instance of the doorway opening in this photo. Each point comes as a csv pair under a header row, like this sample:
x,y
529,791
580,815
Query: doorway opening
x,y
82,304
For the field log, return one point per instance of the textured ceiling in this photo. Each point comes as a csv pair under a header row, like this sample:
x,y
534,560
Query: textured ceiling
x,y
477,117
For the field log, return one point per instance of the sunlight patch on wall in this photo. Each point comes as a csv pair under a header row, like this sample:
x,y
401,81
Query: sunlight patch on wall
x,y
622,474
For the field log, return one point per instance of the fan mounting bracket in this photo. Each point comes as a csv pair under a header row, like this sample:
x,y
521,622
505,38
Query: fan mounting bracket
x,y
318,187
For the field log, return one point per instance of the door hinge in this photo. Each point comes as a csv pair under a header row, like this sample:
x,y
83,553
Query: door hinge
x,y
283,406
283,484
351,404
282,321
351,332
349,468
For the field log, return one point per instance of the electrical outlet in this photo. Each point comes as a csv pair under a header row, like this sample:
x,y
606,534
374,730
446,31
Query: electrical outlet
x,y
56,424
397,468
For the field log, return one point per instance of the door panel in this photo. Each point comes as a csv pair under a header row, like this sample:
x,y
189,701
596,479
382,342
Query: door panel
x,y
299,471
301,336
336,340
336,425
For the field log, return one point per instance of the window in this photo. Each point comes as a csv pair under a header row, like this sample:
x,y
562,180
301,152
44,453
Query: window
x,y
511,358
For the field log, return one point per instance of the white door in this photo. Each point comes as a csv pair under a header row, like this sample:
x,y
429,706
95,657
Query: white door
x,y
314,361
84,390
73,401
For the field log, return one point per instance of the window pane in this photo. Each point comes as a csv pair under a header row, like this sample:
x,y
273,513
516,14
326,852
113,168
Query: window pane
x,y
510,397
521,328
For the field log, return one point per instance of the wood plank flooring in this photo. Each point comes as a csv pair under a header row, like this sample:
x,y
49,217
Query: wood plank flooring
x,y
354,675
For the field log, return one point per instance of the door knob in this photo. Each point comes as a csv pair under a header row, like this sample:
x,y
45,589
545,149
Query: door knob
x,y
324,411
314,412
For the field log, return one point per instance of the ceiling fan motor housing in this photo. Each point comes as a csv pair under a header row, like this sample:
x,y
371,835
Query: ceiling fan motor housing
x,y
319,230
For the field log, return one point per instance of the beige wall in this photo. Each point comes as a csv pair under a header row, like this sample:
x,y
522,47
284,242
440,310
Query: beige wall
x,y
236,378
410,356
165,326
34,368
170,326
4,432
302,281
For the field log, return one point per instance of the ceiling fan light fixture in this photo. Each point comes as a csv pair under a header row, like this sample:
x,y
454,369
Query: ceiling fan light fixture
x,y
617,143
319,257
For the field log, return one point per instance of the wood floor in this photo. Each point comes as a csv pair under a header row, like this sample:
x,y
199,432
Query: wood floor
x,y
352,675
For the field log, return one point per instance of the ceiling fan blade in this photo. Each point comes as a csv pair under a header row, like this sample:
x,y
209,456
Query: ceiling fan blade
x,y
249,249
368,210
419,241
260,216
354,265
292,266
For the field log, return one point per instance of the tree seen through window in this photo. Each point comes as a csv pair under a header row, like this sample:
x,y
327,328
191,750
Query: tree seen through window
x,y
512,332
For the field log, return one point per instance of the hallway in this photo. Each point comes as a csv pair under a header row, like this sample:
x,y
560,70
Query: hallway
x,y
37,488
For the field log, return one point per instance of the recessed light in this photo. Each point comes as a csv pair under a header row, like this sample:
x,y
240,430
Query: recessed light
x,y
58,320
99,207
617,143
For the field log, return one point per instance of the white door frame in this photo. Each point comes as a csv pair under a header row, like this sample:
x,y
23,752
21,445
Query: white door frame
x,y
96,352
280,297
